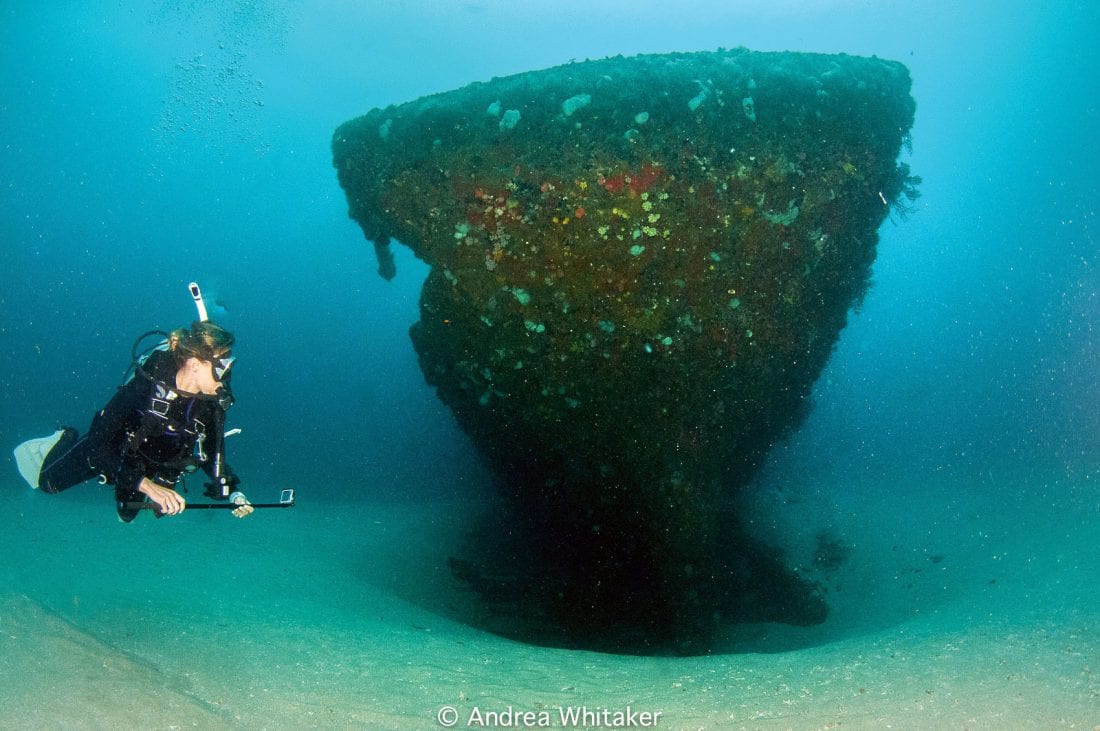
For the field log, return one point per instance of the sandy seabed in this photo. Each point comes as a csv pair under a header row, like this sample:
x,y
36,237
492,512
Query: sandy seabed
x,y
965,610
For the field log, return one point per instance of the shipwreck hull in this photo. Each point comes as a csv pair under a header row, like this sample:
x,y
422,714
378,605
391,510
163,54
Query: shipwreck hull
x,y
639,267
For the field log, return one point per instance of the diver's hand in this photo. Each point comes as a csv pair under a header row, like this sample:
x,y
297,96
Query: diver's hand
x,y
245,508
169,502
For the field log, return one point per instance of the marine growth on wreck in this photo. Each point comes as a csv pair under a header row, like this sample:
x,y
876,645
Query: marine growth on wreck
x,y
639,267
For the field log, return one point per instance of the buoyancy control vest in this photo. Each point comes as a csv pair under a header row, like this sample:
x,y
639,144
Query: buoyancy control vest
x,y
178,431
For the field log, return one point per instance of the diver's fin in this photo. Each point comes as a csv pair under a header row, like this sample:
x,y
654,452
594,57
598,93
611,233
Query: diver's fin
x,y
30,455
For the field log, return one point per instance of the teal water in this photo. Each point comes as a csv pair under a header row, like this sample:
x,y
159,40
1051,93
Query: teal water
x,y
954,447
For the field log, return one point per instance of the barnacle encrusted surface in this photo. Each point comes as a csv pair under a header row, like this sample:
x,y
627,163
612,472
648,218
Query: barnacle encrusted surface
x,y
639,266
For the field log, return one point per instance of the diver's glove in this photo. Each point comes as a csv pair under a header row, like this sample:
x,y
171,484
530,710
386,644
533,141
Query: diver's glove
x,y
245,508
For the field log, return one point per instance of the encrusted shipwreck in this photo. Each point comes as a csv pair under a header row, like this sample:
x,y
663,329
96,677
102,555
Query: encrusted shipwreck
x,y
639,266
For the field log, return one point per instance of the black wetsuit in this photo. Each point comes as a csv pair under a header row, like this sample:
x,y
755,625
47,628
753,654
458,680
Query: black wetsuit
x,y
148,429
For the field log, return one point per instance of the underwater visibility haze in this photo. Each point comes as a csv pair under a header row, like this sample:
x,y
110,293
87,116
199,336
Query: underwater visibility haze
x,y
698,365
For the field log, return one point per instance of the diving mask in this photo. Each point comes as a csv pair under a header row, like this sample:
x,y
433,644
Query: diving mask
x,y
220,365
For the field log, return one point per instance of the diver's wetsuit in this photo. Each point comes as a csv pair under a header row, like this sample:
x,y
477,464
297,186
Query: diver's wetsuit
x,y
148,429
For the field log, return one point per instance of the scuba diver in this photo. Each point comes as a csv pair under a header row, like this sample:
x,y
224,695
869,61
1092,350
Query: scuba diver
x,y
166,420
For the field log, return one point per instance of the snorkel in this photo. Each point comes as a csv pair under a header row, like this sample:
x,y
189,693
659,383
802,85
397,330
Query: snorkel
x,y
196,294
222,363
